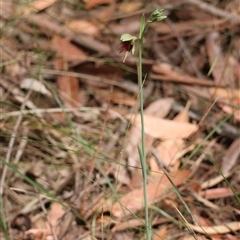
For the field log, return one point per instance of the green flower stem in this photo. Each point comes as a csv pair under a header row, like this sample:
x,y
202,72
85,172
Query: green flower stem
x,y
142,152
128,44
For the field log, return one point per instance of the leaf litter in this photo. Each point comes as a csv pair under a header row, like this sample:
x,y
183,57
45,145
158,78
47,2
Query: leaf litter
x,y
70,104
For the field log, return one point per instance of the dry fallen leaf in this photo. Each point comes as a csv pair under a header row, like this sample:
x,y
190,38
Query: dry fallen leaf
x,y
68,86
93,3
163,128
35,85
116,96
231,156
15,69
225,93
213,181
236,66
169,148
230,237
205,222
167,72
161,233
103,15
68,51
120,173
39,5
186,26
158,108
216,193
230,110
129,6
55,214
219,229
83,26
133,223
231,96
216,59
133,201
194,238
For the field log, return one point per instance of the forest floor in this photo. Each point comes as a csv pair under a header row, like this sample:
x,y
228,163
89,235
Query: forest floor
x,y
70,123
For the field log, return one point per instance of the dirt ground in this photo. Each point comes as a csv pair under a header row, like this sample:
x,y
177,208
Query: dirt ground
x,y
70,124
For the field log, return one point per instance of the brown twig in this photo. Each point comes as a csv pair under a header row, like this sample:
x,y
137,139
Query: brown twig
x,y
52,27
233,18
183,45
225,129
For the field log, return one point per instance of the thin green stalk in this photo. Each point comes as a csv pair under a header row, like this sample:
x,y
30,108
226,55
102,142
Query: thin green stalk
x,y
144,175
127,45
3,222
140,81
142,152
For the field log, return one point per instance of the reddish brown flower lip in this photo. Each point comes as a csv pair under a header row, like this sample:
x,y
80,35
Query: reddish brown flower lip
x,y
126,46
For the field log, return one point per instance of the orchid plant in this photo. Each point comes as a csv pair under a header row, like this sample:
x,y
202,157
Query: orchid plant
x,y
128,45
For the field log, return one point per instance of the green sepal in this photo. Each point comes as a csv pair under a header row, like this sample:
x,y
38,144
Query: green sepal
x,y
127,37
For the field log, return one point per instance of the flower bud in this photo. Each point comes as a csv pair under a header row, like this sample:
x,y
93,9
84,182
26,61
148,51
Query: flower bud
x,y
156,16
